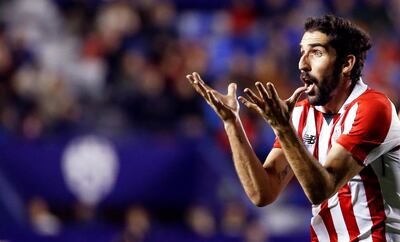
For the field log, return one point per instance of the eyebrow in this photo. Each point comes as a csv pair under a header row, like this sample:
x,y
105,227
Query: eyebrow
x,y
325,46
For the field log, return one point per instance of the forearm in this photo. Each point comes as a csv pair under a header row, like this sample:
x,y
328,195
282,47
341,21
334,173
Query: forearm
x,y
316,181
251,173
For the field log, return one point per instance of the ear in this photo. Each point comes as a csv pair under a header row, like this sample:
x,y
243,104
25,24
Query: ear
x,y
348,65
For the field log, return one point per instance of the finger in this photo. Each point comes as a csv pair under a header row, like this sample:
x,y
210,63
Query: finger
x,y
214,100
296,94
291,102
249,104
198,78
252,96
232,88
201,89
204,90
193,82
272,91
263,92
190,79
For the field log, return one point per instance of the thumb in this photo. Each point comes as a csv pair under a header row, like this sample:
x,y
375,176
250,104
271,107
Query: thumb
x,y
232,89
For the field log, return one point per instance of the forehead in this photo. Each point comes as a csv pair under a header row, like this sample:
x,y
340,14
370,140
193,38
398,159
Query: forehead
x,y
314,38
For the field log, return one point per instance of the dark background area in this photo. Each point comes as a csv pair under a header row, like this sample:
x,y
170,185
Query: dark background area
x,y
103,139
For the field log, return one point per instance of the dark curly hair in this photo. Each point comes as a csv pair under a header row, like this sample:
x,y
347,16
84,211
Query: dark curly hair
x,y
345,37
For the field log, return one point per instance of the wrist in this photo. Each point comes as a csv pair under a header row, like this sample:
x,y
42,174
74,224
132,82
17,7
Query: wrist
x,y
231,122
283,130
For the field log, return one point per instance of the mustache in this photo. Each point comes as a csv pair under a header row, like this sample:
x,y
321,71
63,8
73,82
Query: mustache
x,y
308,78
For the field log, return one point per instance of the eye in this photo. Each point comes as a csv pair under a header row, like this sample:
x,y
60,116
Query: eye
x,y
317,53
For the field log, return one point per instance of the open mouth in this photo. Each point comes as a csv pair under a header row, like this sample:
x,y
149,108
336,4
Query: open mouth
x,y
309,82
309,87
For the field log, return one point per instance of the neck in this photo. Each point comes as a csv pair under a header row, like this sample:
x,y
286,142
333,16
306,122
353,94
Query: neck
x,y
338,97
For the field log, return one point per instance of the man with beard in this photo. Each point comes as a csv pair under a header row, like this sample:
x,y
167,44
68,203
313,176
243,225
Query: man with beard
x,y
342,142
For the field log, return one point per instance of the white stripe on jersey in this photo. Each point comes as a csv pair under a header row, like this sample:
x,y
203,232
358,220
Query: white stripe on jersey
x,y
316,209
296,117
389,179
337,218
323,143
319,228
351,115
360,206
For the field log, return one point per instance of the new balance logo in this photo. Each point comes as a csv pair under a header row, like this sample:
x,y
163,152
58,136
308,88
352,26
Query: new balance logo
x,y
309,139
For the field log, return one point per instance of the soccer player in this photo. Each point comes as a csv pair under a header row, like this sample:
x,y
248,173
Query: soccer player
x,y
342,142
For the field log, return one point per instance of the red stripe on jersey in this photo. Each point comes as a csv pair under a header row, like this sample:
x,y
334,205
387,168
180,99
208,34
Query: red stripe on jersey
x,y
325,212
326,216
314,237
319,118
344,195
375,203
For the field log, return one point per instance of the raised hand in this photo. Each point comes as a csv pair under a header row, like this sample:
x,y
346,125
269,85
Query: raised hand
x,y
226,106
274,110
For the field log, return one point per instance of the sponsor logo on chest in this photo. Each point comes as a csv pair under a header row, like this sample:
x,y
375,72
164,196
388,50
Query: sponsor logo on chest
x,y
309,139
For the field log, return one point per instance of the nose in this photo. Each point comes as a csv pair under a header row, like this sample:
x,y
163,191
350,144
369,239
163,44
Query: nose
x,y
304,64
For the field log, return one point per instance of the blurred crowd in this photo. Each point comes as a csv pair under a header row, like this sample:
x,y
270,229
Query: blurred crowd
x,y
198,223
118,67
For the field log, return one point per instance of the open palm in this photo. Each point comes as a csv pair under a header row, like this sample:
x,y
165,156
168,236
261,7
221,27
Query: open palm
x,y
226,106
269,105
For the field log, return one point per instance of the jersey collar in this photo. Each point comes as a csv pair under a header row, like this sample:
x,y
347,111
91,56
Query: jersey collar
x,y
358,89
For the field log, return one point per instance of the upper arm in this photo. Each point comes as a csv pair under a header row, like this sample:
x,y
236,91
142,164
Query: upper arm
x,y
366,127
278,171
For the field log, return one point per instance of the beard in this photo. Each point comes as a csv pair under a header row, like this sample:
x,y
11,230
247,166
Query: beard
x,y
322,91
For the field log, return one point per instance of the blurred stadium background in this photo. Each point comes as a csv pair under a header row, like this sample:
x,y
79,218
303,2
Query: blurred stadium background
x,y
103,139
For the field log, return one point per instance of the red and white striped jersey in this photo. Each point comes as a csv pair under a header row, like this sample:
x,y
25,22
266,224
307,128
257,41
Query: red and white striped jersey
x,y
367,208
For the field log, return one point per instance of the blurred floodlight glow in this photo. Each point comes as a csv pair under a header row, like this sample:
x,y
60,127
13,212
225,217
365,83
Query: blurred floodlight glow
x,y
90,168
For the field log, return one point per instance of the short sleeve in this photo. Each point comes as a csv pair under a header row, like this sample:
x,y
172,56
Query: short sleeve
x,y
366,126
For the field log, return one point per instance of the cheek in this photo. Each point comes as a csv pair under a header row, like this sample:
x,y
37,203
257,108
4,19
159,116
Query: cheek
x,y
318,72
322,69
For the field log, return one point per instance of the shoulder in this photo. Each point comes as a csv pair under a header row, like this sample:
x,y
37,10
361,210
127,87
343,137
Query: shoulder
x,y
373,98
367,124
372,102
370,113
